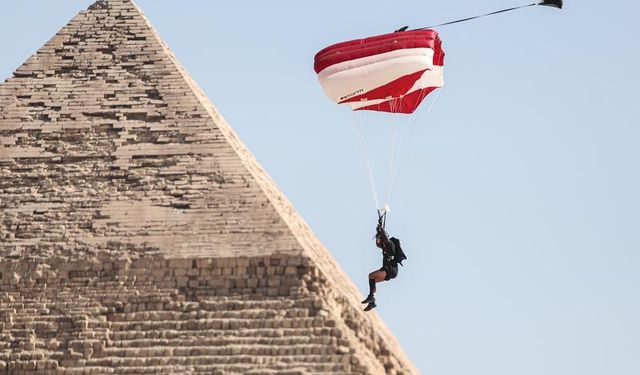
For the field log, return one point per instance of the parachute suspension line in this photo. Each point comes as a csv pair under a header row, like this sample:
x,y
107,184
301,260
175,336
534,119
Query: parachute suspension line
x,y
408,136
398,137
398,150
358,128
399,140
392,161
392,152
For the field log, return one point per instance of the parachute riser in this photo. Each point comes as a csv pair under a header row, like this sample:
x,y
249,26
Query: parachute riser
x,y
382,218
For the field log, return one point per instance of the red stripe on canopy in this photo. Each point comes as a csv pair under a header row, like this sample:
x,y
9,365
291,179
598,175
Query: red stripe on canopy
x,y
358,48
392,89
406,104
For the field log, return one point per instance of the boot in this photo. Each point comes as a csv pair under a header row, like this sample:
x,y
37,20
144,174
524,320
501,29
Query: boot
x,y
370,306
370,299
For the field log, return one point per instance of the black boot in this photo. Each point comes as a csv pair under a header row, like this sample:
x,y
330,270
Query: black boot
x,y
370,299
370,306
372,289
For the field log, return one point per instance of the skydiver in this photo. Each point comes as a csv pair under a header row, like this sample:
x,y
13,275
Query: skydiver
x,y
392,254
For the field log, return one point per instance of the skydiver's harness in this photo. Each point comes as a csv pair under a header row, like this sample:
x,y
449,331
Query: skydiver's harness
x,y
391,250
390,246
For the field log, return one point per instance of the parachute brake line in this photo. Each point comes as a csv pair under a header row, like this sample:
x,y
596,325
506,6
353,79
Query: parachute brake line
x,y
549,3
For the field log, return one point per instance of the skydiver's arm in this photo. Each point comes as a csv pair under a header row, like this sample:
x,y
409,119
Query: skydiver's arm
x,y
386,244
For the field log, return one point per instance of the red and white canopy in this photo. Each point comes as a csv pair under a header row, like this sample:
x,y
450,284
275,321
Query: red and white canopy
x,y
389,73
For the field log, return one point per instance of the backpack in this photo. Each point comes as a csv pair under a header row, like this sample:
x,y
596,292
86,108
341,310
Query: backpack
x,y
399,255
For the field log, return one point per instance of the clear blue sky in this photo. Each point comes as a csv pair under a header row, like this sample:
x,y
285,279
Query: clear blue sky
x,y
518,203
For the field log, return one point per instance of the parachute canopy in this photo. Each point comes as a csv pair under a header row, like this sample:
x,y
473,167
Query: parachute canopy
x,y
389,73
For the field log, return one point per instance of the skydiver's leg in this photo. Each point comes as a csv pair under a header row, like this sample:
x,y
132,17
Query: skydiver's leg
x,y
374,277
378,275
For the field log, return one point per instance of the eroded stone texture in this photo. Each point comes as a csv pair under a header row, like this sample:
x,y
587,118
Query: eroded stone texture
x,y
139,235
157,315
104,141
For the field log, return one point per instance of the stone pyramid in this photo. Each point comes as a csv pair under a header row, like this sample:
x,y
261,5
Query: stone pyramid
x,y
138,235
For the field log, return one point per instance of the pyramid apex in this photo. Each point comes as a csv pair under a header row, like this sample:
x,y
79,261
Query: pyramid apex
x,y
106,3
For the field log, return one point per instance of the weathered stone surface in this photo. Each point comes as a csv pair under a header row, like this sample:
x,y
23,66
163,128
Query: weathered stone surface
x,y
139,235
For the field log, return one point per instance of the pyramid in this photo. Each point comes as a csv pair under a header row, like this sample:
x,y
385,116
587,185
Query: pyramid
x,y
138,235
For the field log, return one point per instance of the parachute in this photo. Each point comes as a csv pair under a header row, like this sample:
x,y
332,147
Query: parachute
x,y
389,73
392,74
382,80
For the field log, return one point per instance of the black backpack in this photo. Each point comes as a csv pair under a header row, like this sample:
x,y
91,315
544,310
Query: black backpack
x,y
399,255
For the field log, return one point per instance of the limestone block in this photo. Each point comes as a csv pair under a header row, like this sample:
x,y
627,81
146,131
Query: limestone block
x,y
180,272
11,278
53,344
204,263
178,263
193,284
182,281
193,272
